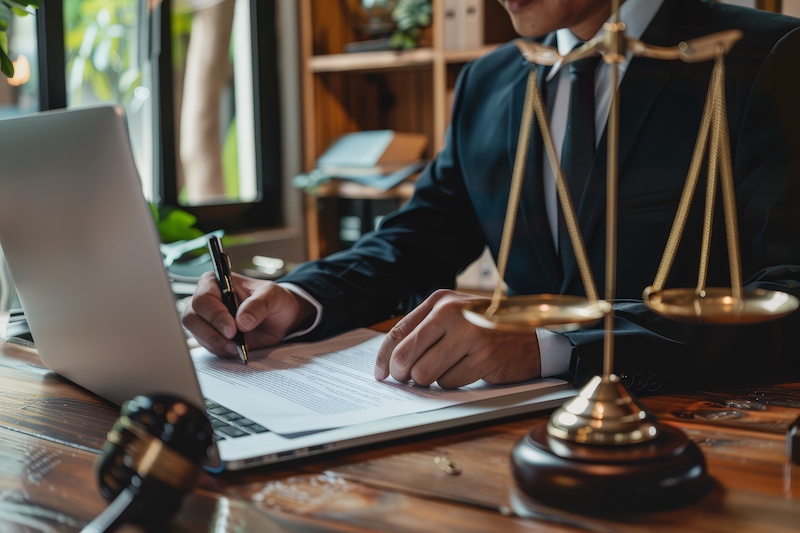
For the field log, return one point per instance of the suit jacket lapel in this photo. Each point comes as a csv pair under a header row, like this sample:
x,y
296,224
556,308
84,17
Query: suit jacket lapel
x,y
533,215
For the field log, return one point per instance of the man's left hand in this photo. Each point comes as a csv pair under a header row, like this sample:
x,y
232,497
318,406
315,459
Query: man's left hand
x,y
436,343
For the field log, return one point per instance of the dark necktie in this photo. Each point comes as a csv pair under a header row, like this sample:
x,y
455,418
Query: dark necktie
x,y
579,140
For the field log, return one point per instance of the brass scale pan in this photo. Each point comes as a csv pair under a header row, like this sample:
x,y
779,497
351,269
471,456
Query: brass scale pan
x,y
717,305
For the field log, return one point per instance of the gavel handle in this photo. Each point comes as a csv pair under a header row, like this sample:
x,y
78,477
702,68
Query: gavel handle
x,y
113,516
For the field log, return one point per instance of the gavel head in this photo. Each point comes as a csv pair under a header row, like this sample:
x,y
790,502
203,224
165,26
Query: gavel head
x,y
155,449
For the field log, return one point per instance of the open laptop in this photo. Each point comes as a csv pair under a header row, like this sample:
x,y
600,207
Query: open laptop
x,y
84,253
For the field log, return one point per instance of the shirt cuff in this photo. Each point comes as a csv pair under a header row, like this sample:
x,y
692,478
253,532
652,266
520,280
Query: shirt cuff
x,y
554,352
310,299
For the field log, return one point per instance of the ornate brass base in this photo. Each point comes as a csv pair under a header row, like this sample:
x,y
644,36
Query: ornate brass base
x,y
668,471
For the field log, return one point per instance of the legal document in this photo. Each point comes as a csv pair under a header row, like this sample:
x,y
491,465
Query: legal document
x,y
307,387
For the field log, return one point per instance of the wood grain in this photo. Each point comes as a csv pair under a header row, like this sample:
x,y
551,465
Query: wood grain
x,y
51,431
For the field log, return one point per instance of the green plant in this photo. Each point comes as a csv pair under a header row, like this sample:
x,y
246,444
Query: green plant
x,y
411,16
174,224
9,8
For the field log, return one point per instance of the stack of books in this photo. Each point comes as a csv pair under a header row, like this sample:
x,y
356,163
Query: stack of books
x,y
376,158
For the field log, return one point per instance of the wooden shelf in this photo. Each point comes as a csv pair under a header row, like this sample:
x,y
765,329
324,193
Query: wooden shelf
x,y
383,60
355,191
405,91
391,59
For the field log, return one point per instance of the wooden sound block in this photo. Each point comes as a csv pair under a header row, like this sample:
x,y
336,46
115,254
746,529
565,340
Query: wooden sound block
x,y
669,471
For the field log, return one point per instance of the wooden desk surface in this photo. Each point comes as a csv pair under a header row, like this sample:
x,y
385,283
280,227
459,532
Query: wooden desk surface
x,y
51,433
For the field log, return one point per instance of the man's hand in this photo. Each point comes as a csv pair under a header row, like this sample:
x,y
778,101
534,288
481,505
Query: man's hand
x,y
267,313
436,343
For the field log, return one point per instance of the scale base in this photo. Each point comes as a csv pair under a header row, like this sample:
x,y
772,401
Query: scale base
x,y
666,472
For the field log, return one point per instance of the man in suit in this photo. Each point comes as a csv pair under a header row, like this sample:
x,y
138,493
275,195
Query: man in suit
x,y
409,264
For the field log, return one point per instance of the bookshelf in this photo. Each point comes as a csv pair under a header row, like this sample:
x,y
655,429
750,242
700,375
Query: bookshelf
x,y
399,90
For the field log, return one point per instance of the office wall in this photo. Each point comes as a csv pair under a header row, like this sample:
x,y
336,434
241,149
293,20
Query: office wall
x,y
791,7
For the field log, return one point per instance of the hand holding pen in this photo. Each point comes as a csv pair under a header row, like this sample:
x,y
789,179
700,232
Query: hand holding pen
x,y
222,272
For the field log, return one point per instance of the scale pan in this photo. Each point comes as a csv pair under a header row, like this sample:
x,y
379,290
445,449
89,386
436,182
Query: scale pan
x,y
523,314
717,305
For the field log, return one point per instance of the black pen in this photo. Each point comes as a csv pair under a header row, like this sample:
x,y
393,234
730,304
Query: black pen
x,y
222,271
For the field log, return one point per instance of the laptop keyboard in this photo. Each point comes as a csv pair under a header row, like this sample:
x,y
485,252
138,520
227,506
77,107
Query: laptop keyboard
x,y
229,424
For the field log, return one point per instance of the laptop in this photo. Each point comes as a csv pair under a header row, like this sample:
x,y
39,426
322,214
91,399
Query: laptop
x,y
83,250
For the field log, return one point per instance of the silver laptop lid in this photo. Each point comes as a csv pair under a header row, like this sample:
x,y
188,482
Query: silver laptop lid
x,y
83,251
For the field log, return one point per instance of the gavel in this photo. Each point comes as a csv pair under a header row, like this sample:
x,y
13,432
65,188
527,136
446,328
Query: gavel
x,y
153,456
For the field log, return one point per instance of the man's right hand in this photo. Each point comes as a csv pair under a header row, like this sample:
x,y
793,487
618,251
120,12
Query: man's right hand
x,y
267,314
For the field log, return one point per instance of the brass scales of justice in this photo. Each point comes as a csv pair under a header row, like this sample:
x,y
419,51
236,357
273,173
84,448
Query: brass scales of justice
x,y
601,450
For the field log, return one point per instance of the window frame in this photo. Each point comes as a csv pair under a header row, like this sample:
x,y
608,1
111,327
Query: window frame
x,y
267,211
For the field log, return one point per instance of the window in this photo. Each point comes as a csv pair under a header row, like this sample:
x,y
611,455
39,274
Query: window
x,y
167,63
225,166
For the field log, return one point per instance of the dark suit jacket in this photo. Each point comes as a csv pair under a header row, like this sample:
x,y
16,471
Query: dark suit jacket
x,y
460,203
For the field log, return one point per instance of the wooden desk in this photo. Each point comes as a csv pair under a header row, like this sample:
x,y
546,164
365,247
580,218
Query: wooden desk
x,y
51,431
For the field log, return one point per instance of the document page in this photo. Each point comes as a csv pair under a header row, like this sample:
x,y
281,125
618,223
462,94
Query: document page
x,y
306,387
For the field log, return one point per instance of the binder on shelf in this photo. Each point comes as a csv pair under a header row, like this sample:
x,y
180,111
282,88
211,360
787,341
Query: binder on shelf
x,y
473,23
463,24
453,20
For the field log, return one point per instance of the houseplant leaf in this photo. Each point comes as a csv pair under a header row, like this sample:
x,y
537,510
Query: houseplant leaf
x,y
6,66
